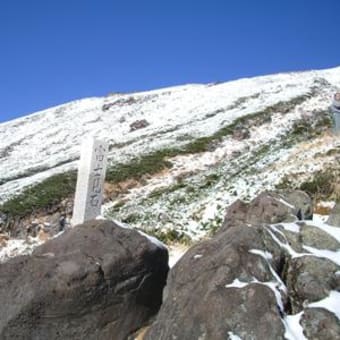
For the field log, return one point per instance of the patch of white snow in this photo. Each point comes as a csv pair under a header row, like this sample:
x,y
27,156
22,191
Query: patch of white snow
x,y
294,330
331,303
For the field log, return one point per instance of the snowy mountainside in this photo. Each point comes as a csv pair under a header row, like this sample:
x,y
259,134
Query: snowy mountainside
x,y
48,142
189,152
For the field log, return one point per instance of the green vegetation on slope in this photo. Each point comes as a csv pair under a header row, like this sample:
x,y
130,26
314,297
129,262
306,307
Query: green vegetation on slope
x,y
58,187
323,185
41,196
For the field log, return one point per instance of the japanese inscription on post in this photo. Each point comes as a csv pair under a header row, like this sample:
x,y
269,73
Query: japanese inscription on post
x,y
90,181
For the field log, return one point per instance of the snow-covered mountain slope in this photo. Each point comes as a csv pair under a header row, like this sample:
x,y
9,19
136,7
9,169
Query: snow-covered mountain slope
x,y
36,146
222,141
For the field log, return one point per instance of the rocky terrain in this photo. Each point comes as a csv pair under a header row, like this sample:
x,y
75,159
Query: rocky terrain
x,y
97,281
269,272
264,275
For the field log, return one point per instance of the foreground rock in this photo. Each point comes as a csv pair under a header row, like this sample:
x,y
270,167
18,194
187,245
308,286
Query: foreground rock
x,y
246,280
205,299
96,281
334,217
270,207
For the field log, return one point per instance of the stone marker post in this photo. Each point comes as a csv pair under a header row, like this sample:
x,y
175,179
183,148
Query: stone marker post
x,y
90,181
336,113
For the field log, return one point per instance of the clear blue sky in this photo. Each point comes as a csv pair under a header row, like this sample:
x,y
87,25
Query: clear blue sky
x,y
54,51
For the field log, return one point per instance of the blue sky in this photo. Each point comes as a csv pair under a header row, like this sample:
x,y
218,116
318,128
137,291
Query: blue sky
x,y
54,51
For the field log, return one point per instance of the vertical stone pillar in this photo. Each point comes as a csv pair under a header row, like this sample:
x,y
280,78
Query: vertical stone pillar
x,y
90,181
336,113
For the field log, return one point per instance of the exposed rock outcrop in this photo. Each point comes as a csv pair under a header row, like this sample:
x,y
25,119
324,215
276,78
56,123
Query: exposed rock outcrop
x,y
96,281
320,324
221,286
334,217
310,279
139,124
52,220
253,277
270,207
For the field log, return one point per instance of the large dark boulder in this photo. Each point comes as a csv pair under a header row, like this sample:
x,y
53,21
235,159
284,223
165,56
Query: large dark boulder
x,y
252,274
270,207
334,217
315,237
222,286
96,281
310,279
320,324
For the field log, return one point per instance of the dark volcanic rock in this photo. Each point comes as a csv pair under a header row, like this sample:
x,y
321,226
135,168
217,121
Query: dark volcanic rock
x,y
320,324
300,202
203,298
96,281
317,238
139,124
310,279
245,280
270,207
334,217
241,133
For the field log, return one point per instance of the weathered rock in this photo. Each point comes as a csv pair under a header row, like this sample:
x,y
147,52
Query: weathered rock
x,y
292,238
320,324
310,279
236,215
232,283
269,207
96,281
54,219
107,106
302,203
241,133
203,300
139,124
3,239
334,217
315,237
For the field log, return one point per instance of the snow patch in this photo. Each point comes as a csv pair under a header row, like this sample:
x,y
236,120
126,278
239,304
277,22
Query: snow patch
x,y
285,246
265,254
331,303
153,240
286,203
239,284
175,254
15,247
293,227
233,336
294,330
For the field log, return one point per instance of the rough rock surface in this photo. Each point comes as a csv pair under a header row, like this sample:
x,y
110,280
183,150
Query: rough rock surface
x,y
248,278
270,207
334,217
310,279
203,298
139,124
320,324
314,237
96,281
51,220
